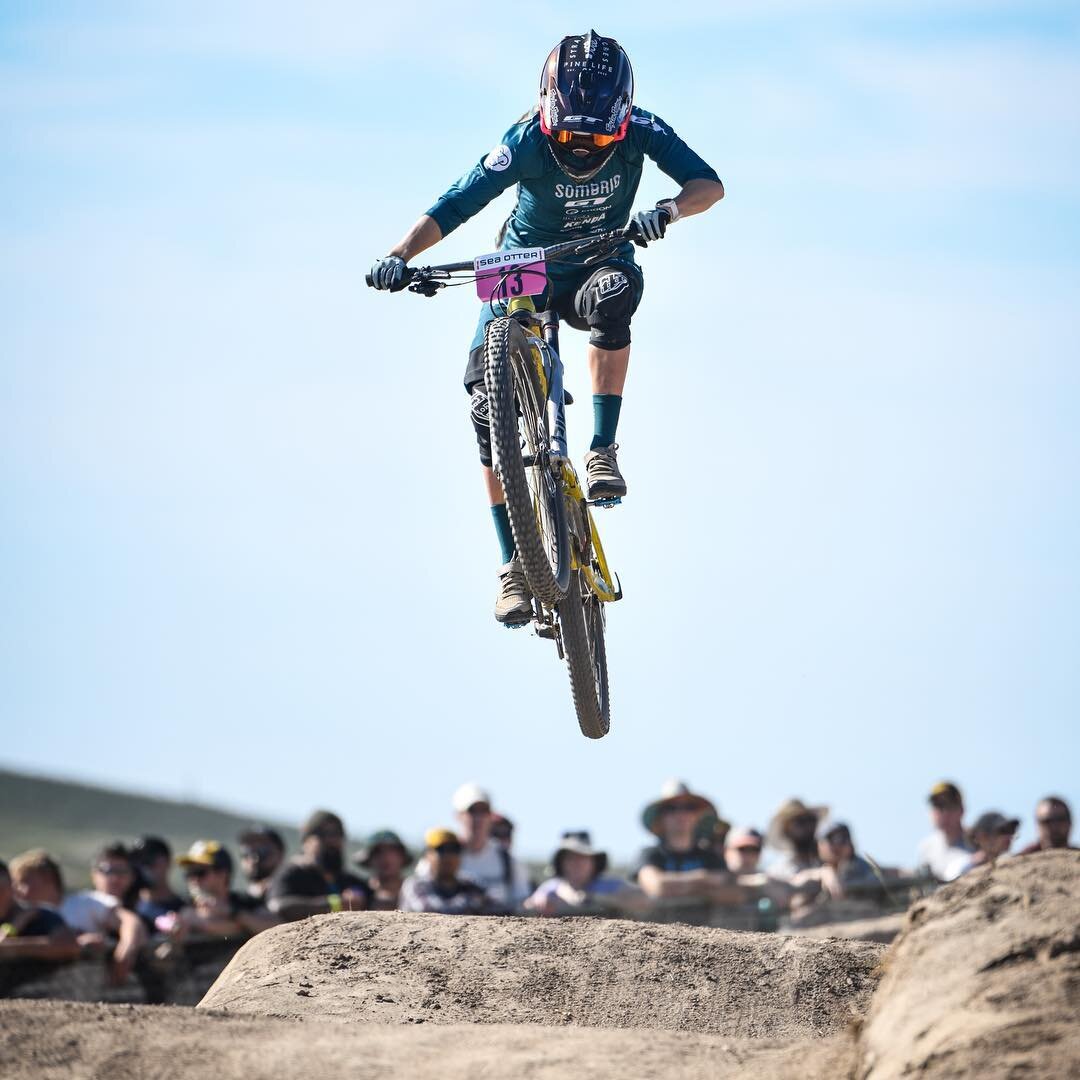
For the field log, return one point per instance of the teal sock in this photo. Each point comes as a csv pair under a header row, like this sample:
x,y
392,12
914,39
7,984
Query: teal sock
x,y
605,410
505,533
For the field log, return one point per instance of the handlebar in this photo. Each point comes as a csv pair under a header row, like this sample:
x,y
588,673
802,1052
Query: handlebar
x,y
426,275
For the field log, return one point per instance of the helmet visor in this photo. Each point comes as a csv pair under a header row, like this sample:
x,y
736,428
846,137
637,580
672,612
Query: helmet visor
x,y
584,136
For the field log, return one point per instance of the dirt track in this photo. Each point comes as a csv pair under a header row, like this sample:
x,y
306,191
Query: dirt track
x,y
395,968
983,982
54,1040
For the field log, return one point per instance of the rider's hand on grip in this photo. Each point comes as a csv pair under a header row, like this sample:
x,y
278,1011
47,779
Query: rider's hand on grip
x,y
649,225
389,273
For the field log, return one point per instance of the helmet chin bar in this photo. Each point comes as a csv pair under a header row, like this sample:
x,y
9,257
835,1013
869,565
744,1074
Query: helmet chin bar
x,y
589,167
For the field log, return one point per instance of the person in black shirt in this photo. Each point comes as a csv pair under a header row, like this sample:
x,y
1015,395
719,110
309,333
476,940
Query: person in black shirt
x,y
316,882
31,933
678,866
216,910
262,851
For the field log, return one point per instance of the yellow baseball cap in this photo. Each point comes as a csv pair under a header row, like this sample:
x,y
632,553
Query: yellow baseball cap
x,y
434,838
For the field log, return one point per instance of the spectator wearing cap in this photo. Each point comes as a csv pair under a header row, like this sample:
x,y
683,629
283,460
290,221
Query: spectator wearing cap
x,y
99,916
484,860
1053,819
316,881
37,880
215,909
947,850
28,932
443,889
151,857
991,836
793,832
384,856
742,851
677,866
840,867
262,851
579,882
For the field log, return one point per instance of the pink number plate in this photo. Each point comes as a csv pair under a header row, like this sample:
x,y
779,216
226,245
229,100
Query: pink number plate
x,y
506,274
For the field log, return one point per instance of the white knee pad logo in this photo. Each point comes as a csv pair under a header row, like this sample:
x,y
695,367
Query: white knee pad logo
x,y
611,285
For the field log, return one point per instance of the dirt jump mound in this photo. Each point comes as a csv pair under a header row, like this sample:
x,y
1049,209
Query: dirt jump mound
x,y
984,981
394,968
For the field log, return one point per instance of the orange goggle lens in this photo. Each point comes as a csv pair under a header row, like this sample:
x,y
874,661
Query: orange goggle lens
x,y
597,140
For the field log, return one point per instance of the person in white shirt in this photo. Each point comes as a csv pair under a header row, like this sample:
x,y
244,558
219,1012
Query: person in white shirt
x,y
484,860
946,852
98,914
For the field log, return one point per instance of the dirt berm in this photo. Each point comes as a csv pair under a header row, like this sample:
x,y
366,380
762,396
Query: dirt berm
x,y
395,968
984,981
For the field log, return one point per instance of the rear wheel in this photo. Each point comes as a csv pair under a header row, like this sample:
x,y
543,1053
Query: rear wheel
x,y
581,625
521,455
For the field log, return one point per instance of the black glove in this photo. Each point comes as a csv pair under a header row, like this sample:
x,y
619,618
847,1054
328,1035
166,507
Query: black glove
x,y
652,224
388,273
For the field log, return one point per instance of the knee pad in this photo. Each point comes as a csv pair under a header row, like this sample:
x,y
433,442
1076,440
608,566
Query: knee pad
x,y
481,421
606,302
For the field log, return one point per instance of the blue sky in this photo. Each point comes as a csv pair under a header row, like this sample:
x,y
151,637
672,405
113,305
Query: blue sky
x,y
244,554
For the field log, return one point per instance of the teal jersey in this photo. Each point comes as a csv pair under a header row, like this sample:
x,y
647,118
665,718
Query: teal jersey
x,y
550,205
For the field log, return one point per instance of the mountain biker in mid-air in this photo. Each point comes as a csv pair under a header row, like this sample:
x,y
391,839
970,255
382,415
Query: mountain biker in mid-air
x,y
577,160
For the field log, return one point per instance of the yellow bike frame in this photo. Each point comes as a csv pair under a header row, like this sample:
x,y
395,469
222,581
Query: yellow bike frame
x,y
597,575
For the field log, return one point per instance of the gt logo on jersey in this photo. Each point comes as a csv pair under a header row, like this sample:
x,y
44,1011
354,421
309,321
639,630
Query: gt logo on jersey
x,y
581,203
499,159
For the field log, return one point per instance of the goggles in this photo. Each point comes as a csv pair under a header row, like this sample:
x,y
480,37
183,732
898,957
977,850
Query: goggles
x,y
597,140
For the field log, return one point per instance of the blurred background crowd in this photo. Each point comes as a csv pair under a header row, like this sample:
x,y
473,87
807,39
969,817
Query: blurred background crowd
x,y
803,866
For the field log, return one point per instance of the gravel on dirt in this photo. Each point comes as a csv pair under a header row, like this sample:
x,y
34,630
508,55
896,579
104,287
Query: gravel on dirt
x,y
54,1040
389,967
984,981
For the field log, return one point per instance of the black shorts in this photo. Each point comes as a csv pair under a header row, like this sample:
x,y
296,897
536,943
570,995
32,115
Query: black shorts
x,y
598,299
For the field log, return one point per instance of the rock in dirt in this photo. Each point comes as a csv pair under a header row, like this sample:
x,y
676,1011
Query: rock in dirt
x,y
984,981
398,968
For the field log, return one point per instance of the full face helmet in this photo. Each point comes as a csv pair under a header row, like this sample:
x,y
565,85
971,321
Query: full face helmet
x,y
586,90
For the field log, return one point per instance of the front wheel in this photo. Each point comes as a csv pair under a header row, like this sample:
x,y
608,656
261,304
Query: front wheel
x,y
521,453
581,626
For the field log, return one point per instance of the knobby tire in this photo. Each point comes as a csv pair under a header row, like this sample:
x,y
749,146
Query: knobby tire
x,y
581,623
518,412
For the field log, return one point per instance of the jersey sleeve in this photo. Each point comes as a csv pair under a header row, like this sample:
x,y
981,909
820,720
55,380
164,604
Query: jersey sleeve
x,y
502,167
658,140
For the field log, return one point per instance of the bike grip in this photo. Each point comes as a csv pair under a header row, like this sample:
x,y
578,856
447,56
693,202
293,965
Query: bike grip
x,y
370,281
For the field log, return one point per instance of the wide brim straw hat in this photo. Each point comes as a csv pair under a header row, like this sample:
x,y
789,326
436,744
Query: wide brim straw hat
x,y
793,808
672,791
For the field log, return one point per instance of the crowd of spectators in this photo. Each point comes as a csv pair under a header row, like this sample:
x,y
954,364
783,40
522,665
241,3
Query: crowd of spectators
x,y
694,857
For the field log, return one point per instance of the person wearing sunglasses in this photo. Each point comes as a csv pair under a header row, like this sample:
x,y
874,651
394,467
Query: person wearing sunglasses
x,y
576,159
442,889
679,866
262,851
103,917
215,909
1053,819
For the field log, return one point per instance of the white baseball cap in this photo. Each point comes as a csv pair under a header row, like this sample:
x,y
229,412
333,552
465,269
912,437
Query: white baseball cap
x,y
469,795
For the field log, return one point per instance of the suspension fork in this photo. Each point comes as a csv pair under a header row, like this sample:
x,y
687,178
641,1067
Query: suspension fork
x,y
549,325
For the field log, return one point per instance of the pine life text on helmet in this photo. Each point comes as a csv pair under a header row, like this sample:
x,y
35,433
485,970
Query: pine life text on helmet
x,y
586,91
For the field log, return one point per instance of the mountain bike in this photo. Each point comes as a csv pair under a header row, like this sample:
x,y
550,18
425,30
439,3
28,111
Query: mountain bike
x,y
554,529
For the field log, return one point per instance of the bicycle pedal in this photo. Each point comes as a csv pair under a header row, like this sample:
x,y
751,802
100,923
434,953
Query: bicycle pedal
x,y
514,625
616,500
